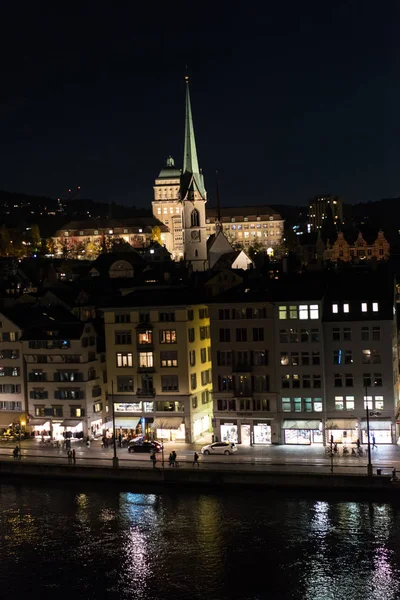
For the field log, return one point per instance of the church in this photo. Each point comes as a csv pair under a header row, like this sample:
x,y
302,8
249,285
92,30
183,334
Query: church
x,y
180,201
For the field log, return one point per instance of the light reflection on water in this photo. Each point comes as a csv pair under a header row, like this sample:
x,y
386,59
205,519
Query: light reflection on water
x,y
107,543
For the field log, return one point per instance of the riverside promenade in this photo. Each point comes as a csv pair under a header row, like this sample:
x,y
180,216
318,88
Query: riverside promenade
x,y
279,467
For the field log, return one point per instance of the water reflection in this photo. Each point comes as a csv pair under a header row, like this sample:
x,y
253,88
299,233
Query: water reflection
x,y
108,543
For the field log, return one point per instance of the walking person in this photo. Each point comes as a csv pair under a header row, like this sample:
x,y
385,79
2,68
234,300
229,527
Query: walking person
x,y
153,458
120,440
175,463
16,453
374,443
69,455
171,460
74,456
196,460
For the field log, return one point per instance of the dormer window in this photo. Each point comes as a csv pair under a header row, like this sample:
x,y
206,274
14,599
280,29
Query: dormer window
x,y
364,307
335,308
345,308
375,307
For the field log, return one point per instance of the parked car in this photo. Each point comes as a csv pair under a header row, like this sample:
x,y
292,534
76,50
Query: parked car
x,y
144,446
219,448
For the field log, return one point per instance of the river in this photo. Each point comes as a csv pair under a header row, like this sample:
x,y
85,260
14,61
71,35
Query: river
x,y
92,541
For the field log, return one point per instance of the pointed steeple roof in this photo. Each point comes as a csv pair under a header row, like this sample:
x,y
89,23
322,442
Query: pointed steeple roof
x,y
191,173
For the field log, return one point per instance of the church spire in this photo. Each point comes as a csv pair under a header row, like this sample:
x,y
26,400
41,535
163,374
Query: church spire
x,y
190,161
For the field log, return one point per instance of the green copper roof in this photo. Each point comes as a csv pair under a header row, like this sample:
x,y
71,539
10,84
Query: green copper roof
x,y
169,171
190,162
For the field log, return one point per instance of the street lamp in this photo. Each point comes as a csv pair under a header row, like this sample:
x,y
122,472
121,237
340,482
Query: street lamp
x,y
115,457
21,424
369,467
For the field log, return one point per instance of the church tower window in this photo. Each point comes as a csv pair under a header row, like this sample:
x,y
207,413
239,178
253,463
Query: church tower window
x,y
195,218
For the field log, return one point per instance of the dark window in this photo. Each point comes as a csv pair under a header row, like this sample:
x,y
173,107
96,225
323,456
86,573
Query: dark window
x,y
124,383
241,334
123,318
224,335
123,337
258,334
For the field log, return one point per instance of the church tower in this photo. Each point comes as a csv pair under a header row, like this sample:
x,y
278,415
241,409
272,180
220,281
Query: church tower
x,y
193,198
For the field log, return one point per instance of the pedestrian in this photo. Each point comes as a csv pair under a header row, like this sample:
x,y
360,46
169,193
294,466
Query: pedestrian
x,y
120,440
16,453
374,442
394,476
335,448
171,460
74,456
69,455
153,458
87,442
175,463
358,443
196,459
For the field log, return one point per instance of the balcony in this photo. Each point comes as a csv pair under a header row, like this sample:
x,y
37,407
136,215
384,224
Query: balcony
x,y
241,368
144,369
145,393
243,392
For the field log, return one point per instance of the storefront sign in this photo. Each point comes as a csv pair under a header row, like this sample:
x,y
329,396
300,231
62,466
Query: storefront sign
x,y
244,414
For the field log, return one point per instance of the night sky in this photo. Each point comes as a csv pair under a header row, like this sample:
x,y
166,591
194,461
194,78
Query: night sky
x,y
289,100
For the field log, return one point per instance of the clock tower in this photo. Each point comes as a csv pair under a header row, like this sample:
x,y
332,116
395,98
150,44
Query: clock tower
x,y
193,197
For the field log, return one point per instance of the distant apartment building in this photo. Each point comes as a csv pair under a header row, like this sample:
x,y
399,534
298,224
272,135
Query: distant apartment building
x,y
243,358
248,225
305,359
318,210
159,365
63,374
361,358
358,250
137,232
13,408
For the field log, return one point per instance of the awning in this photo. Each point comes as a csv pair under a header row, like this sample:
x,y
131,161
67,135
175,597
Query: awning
x,y
376,425
301,424
7,418
167,423
70,423
38,422
341,424
126,422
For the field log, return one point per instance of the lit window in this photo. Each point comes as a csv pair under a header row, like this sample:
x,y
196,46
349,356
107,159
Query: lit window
x,y
349,402
339,403
286,405
375,307
318,404
379,402
303,311
293,314
363,307
314,311
283,312
368,402
334,308
345,308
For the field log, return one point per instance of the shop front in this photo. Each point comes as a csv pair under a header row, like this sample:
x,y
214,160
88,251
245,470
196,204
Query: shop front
x,y
96,427
201,426
342,431
169,429
40,427
128,426
302,432
247,432
67,428
380,431
229,432
262,433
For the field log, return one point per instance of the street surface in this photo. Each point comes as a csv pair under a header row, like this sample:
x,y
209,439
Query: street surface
x,y
271,458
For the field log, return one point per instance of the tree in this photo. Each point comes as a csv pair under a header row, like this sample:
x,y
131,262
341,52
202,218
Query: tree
x,y
156,234
255,250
